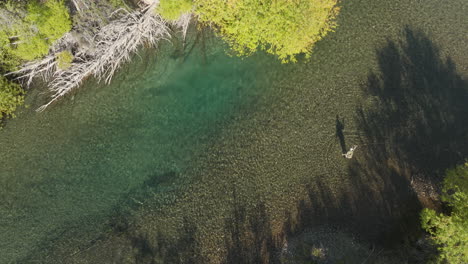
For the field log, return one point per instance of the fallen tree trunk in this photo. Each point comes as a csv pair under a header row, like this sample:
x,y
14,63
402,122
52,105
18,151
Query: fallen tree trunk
x,y
111,46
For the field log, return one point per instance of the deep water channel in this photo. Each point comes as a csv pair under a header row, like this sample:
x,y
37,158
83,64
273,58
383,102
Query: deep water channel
x,y
70,166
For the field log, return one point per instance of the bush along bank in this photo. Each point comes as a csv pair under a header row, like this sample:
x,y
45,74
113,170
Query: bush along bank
x,y
27,30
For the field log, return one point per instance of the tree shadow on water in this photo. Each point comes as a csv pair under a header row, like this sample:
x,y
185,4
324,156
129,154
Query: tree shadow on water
x,y
419,122
146,243
416,127
151,245
248,235
165,249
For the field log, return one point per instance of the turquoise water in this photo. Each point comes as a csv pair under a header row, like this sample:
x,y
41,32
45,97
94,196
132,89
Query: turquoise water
x,y
197,157
91,149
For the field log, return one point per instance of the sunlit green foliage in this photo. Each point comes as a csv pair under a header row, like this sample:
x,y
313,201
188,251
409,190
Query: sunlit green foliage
x,y
64,60
172,9
51,18
450,232
117,3
27,31
8,61
43,24
11,96
285,28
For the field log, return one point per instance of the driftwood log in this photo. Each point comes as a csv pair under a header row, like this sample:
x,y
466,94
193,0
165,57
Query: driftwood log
x,y
103,52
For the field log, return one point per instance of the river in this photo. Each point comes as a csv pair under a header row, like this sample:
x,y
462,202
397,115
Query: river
x,y
186,138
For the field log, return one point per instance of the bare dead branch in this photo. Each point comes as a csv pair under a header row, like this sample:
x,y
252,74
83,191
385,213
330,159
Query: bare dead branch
x,y
111,46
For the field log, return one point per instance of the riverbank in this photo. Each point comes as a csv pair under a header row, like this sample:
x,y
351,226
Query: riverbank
x,y
273,169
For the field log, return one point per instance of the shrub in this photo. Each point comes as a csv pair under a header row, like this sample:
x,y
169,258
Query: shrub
x,y
172,9
64,60
284,28
43,24
26,33
8,62
11,96
117,3
450,232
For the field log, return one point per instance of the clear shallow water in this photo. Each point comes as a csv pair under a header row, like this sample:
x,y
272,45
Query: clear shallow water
x,y
259,148
71,166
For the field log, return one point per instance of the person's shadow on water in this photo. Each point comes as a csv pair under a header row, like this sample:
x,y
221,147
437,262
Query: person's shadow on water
x,y
339,133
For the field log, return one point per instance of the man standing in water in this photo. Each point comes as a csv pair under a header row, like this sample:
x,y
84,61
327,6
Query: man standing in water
x,y
350,152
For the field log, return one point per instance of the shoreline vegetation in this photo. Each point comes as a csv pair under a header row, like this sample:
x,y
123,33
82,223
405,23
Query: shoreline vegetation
x,y
67,42
27,31
99,36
